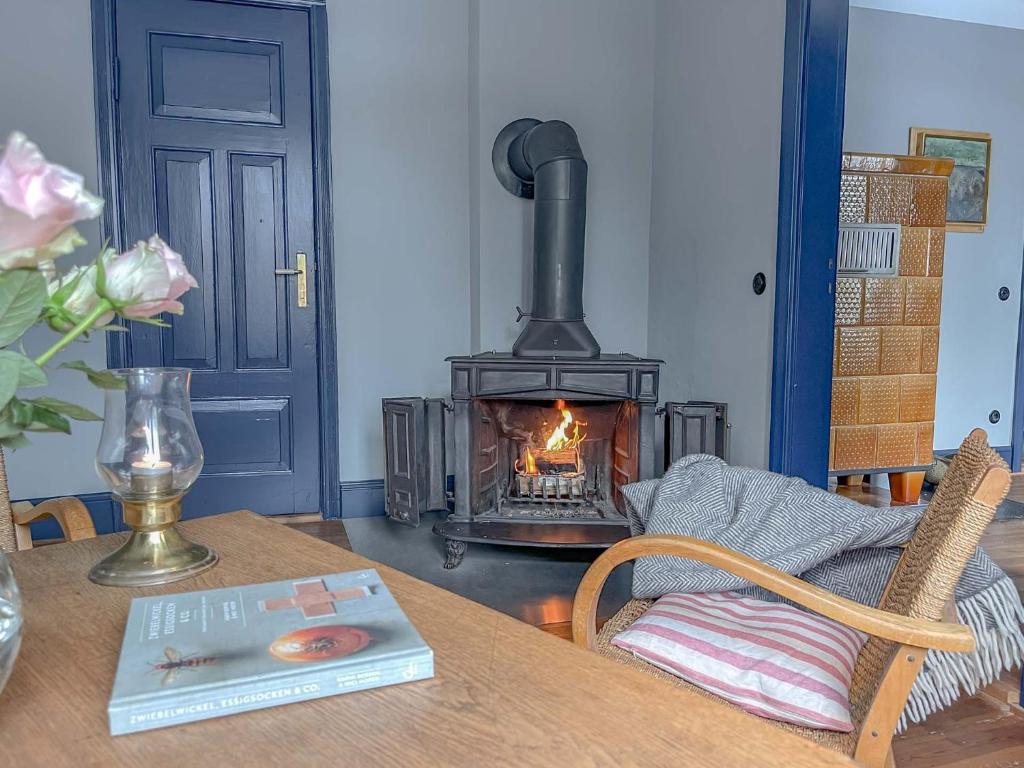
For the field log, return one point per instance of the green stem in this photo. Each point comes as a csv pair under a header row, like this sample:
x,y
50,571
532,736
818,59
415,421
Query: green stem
x,y
84,325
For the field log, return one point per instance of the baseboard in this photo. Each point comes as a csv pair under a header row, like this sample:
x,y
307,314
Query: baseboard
x,y
365,498
1004,451
362,498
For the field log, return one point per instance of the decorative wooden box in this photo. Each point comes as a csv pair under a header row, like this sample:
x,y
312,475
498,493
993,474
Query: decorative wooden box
x,y
887,312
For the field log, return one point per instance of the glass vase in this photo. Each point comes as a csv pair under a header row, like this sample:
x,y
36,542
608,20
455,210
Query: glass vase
x,y
10,621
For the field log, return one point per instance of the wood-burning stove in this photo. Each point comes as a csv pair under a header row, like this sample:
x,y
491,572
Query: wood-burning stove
x,y
510,486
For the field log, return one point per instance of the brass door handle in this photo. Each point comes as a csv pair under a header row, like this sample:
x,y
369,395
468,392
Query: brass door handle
x,y
300,273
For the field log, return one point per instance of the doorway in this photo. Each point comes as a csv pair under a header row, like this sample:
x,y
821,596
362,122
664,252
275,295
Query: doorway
x,y
214,134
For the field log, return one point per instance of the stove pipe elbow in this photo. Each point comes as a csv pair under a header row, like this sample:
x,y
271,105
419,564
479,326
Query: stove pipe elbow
x,y
544,161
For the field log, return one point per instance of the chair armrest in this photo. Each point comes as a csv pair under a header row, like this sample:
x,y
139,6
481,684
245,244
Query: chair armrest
x,y
70,513
890,626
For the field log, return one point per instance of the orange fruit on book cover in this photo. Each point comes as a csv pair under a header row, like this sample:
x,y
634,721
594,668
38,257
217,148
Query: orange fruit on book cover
x,y
319,643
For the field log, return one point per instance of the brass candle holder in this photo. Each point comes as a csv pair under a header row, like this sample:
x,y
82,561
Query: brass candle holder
x,y
150,455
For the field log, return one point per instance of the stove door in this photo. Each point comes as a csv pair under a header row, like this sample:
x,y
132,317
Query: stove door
x,y
414,478
696,427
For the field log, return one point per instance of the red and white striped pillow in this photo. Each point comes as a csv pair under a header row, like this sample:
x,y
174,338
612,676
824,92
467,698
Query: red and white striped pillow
x,y
770,659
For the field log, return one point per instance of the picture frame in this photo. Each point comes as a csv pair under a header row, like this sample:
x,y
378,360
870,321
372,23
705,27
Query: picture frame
x,y
971,151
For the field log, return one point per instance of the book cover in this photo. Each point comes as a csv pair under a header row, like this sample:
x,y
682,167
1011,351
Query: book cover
x,y
199,655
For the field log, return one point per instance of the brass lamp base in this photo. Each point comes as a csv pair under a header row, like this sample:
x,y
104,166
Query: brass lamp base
x,y
155,553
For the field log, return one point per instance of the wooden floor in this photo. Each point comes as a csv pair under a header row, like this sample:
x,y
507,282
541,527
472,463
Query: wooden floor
x,y
982,731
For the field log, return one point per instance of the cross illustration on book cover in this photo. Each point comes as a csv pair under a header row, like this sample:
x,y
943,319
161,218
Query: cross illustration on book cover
x,y
313,598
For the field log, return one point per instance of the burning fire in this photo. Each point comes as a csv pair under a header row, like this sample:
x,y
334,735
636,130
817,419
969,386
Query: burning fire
x,y
565,439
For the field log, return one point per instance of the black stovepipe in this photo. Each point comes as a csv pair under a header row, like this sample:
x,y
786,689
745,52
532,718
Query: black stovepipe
x,y
544,161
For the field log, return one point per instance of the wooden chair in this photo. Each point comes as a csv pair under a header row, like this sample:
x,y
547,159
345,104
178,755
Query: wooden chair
x,y
15,534
905,625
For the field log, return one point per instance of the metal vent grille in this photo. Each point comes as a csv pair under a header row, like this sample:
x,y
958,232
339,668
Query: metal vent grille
x,y
869,249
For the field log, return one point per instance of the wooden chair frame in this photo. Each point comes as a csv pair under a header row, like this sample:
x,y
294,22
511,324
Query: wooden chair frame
x,y
914,636
71,515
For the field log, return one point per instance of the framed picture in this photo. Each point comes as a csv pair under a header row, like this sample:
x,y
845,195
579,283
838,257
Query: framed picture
x,y
967,205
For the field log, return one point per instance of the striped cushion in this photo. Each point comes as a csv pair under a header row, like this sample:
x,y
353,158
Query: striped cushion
x,y
770,659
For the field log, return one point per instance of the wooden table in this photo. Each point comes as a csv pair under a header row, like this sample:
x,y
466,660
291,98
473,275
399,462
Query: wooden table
x,y
505,693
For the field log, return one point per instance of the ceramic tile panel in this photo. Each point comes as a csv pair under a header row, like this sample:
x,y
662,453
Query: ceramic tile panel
x,y
883,301
924,300
849,296
901,350
917,398
845,401
858,351
879,400
889,199
831,448
853,198
897,445
835,352
855,447
925,436
914,251
936,251
930,349
928,208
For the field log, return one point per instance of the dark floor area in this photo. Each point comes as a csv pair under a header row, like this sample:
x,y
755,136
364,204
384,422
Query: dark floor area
x,y
533,584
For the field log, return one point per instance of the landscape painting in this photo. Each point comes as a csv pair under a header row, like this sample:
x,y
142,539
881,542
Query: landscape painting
x,y
967,204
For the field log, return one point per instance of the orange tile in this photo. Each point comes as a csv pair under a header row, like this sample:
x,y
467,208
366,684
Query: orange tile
x,y
849,294
858,351
924,300
845,400
879,400
890,197
883,301
914,251
929,202
835,352
925,436
855,447
832,449
853,197
929,349
897,445
901,350
917,398
936,251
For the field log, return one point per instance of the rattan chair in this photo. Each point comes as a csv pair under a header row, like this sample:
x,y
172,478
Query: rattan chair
x,y
15,533
905,625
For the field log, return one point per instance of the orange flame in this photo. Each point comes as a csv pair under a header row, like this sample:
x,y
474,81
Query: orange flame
x,y
566,436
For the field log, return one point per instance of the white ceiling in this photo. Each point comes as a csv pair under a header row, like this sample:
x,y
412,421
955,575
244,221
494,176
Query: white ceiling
x,y
998,13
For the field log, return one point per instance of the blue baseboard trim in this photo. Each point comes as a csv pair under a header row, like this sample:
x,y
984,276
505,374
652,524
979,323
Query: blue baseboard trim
x,y
365,498
105,512
362,498
1005,451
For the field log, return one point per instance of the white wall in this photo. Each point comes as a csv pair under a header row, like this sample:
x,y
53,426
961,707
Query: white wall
x,y
591,64
46,91
400,155
717,118
905,71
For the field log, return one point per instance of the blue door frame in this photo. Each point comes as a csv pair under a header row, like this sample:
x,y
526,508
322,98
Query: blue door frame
x,y
813,98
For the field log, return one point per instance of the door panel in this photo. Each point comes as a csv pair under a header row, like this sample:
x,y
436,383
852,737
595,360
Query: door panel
x,y
215,139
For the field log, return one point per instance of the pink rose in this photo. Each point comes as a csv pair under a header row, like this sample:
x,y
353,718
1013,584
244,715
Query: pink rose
x,y
72,297
146,280
39,201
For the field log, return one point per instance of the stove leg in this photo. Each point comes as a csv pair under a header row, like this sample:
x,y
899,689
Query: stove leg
x,y
455,550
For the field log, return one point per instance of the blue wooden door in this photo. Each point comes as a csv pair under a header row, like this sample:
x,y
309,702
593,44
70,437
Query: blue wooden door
x,y
214,110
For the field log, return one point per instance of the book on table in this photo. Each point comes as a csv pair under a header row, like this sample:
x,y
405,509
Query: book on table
x,y
198,655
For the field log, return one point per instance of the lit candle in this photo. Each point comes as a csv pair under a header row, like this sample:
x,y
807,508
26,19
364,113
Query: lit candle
x,y
152,477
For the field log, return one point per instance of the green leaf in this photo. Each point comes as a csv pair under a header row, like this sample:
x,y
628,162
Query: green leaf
x,y
68,409
15,442
16,370
22,293
102,379
37,418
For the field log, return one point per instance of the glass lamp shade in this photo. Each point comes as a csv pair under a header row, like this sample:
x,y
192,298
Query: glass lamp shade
x,y
149,448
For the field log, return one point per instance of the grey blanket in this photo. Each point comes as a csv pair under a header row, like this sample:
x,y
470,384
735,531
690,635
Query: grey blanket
x,y
828,540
